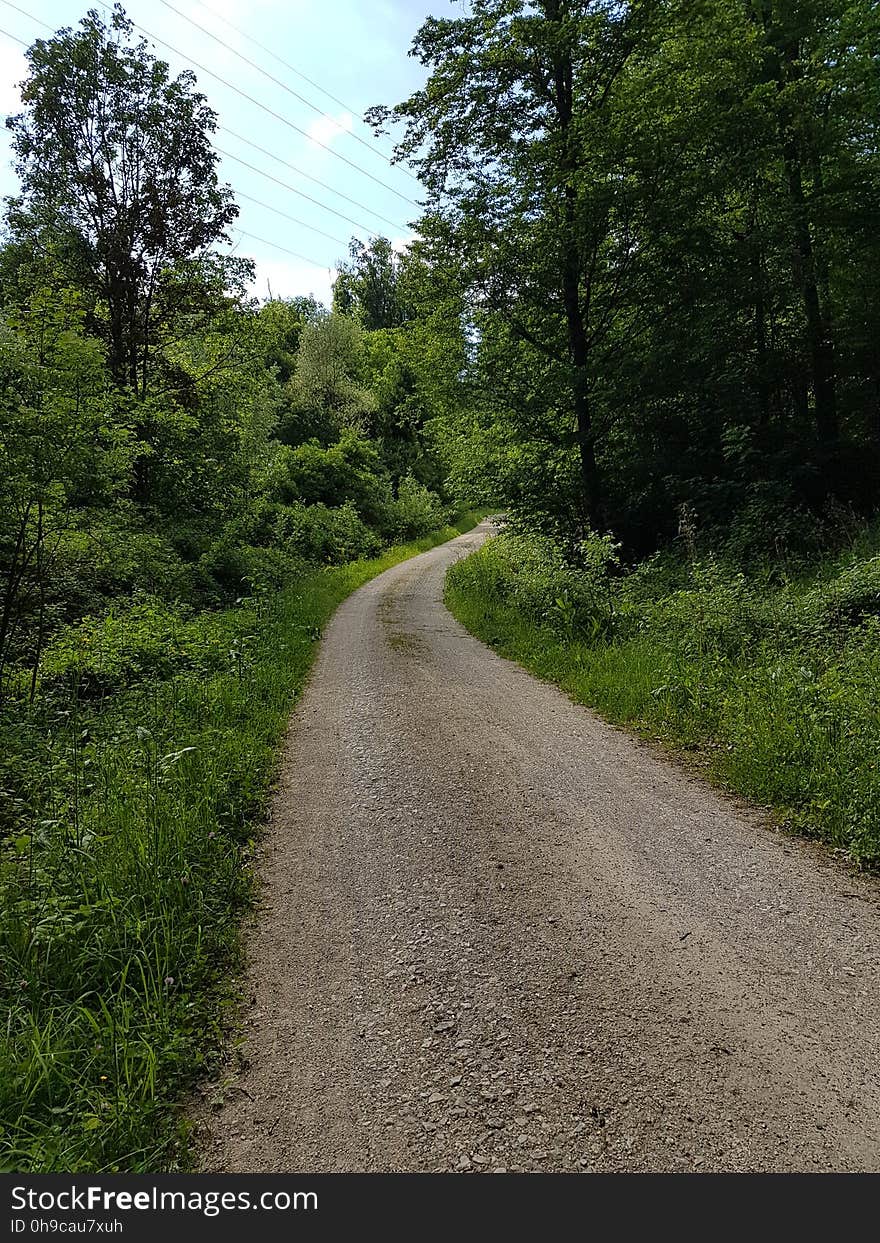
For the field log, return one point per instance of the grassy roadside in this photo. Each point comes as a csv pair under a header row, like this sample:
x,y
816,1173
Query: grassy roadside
x,y
773,688
124,883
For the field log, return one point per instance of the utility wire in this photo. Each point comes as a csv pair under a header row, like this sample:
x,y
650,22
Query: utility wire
x,y
371,147
302,173
293,69
253,168
264,107
14,38
280,160
325,206
277,115
241,232
263,242
278,212
25,13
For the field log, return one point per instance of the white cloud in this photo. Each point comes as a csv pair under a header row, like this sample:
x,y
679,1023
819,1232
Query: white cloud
x,y
324,130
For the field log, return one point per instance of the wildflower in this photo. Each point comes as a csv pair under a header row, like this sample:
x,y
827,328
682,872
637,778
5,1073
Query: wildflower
x,y
169,980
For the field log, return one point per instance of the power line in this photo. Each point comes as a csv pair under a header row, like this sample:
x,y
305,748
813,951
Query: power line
x,y
264,107
371,147
253,168
301,172
241,232
25,13
240,194
325,206
293,69
277,115
14,38
317,202
263,242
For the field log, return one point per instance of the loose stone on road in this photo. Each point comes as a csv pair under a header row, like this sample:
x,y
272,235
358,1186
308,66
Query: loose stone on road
x,y
498,934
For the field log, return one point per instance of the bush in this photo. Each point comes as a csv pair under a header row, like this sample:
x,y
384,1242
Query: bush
x,y
320,535
850,597
718,614
145,641
533,574
416,511
348,471
778,686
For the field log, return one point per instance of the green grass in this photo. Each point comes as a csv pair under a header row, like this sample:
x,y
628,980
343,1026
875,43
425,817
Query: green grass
x,y
775,691
130,822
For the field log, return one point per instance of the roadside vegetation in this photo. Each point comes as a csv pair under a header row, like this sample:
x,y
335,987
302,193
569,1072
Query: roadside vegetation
x,y
664,218
639,313
190,482
771,673
122,887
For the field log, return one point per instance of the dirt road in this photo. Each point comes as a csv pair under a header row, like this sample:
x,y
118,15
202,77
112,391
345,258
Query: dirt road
x,y
498,934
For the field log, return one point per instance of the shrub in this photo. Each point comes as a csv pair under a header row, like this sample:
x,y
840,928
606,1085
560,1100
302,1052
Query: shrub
x,y
146,640
850,597
533,574
416,511
320,535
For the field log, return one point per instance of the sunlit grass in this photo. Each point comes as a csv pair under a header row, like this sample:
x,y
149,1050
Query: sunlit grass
x,y
130,825
776,690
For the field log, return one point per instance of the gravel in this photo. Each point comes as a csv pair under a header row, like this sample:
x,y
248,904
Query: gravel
x,y
497,934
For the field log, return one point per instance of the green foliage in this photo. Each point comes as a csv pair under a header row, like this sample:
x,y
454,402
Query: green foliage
x,y
329,373
849,598
141,642
317,533
369,288
137,187
533,575
660,222
127,863
777,687
416,510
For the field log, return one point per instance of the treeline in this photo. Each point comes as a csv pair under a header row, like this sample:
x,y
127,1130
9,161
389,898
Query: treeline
x,y
665,218
162,435
662,219
190,482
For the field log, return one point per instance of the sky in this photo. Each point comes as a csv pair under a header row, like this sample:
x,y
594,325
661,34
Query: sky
x,y
354,49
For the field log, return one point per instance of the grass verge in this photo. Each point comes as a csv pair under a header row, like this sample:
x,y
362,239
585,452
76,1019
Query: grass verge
x,y
126,874
774,691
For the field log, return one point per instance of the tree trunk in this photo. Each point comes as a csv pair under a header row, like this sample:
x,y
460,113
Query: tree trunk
x,y
819,339
762,369
572,270
781,68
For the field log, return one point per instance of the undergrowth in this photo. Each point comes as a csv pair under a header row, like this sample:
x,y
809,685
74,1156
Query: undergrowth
x,y
773,678
132,791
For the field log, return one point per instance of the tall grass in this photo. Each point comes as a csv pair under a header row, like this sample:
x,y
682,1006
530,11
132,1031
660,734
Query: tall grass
x,y
776,684
129,821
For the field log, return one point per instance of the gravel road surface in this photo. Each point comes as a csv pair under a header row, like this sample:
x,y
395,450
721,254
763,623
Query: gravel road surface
x,y
497,934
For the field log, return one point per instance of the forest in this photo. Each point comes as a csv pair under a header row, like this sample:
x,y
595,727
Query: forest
x,y
641,318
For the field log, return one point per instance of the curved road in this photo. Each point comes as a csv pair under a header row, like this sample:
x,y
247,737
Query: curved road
x,y
498,934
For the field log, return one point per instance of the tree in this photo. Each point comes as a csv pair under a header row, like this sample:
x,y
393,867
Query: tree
x,y
329,376
116,155
369,287
514,137
62,448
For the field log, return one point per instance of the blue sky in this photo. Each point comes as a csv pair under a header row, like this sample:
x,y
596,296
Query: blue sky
x,y
355,49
